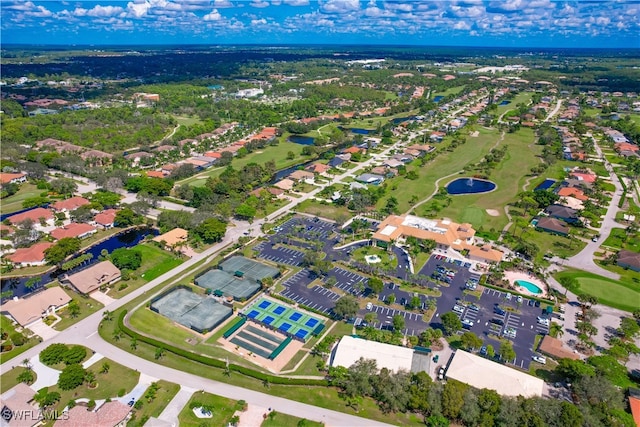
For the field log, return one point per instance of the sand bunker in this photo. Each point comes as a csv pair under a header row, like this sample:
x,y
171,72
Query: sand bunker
x,y
492,212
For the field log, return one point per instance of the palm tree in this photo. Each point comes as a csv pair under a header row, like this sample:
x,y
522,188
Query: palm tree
x,y
27,364
556,330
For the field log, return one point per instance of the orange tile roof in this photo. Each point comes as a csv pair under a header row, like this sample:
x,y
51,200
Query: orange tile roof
x,y
108,415
554,348
573,192
155,174
34,253
213,154
106,217
72,230
634,403
70,204
6,178
33,214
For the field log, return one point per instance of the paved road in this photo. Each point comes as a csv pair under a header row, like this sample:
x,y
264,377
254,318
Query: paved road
x,y
584,259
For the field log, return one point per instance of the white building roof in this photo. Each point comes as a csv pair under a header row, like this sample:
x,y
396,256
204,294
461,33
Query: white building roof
x,y
392,357
483,373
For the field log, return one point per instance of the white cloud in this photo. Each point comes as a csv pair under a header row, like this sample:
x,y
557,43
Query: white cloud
x,y
105,11
296,2
259,3
214,15
138,10
258,22
462,25
26,6
340,6
220,4
376,12
403,7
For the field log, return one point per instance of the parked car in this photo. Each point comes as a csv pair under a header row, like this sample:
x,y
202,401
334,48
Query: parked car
x,y
369,306
498,321
539,359
467,324
483,350
458,309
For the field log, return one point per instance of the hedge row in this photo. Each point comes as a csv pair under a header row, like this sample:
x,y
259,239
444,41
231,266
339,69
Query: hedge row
x,y
209,361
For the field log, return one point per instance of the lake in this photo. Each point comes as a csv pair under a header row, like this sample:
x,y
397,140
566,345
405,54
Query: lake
x,y
302,140
470,186
438,98
126,239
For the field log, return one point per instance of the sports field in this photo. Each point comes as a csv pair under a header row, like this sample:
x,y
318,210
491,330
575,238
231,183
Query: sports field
x,y
285,319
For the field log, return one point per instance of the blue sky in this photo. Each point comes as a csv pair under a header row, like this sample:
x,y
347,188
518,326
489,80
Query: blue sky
x,y
511,23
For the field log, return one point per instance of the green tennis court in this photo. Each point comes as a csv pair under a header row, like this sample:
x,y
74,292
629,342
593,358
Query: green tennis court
x,y
278,316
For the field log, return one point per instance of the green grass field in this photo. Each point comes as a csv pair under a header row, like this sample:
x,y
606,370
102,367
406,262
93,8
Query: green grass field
x,y
88,306
187,121
277,153
622,294
7,326
14,203
222,410
277,419
521,98
9,379
451,91
619,239
166,392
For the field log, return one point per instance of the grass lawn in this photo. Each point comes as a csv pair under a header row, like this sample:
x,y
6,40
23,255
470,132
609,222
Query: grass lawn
x,y
87,305
620,240
8,327
277,419
329,211
558,245
622,294
9,379
14,203
187,121
451,91
118,379
508,176
389,261
166,391
222,410
521,98
277,153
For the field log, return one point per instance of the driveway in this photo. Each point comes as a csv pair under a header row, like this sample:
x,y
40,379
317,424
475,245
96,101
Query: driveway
x,y
173,408
43,330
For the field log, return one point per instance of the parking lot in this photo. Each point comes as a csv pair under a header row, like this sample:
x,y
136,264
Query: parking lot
x,y
319,298
307,228
348,281
414,324
279,255
518,323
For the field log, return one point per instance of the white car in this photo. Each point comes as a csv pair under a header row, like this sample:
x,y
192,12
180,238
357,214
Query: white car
x,y
458,308
369,306
540,359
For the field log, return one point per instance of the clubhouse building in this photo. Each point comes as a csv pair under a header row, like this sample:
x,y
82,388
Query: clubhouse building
x,y
447,235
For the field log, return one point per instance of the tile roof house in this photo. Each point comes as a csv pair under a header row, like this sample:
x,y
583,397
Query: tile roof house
x,y
70,204
301,175
318,168
31,256
562,212
106,218
33,214
110,414
12,178
172,238
79,230
92,278
553,225
445,233
18,400
555,348
572,192
485,253
628,259
354,149
36,306
156,174
634,404
284,184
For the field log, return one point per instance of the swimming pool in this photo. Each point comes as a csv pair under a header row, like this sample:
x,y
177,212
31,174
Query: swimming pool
x,y
529,286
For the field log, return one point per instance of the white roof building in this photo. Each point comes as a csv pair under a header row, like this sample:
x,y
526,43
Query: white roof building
x,y
349,350
482,373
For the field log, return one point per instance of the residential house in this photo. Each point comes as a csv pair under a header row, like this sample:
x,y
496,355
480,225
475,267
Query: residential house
x,y
156,174
31,256
106,218
168,168
634,404
553,226
354,149
318,168
12,178
18,401
109,414
562,212
335,162
628,259
173,238
554,347
423,148
35,215
393,163
88,280
571,202
79,230
437,136
301,175
70,204
572,192
34,307
370,178
404,158
284,184
413,153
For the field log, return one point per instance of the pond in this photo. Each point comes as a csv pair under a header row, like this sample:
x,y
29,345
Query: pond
x,y
470,186
126,239
438,98
403,119
505,103
361,131
302,140
282,173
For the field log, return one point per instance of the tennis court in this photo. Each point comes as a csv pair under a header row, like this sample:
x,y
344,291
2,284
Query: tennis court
x,y
280,317
248,268
259,341
223,283
198,313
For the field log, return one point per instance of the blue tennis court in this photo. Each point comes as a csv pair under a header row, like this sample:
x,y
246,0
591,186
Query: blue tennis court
x,y
295,316
279,310
268,320
264,304
252,314
285,327
311,322
301,333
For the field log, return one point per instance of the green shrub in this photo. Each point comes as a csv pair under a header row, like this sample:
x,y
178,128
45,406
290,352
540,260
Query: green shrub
x,y
75,354
53,354
71,377
18,339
